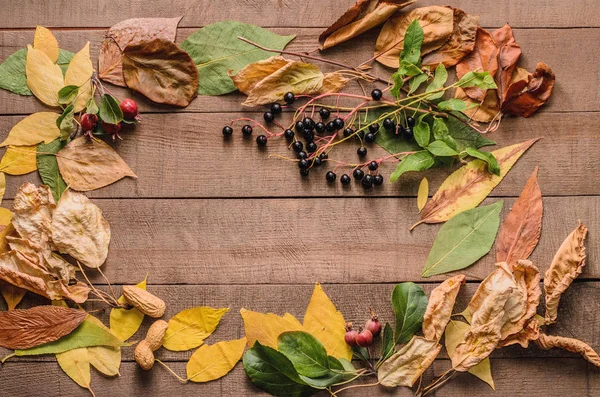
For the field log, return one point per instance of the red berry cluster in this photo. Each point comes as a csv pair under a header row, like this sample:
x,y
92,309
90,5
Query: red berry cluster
x,y
364,336
89,121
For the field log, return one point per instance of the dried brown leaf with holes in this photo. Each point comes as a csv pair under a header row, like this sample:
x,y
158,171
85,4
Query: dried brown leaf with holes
x,y
565,267
80,230
131,32
22,329
407,365
483,58
439,308
525,102
359,18
522,228
569,344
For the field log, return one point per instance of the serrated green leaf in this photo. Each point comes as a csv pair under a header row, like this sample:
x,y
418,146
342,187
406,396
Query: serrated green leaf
x,y
67,94
441,76
109,111
48,167
413,39
482,80
492,163
216,51
409,303
464,239
12,73
419,161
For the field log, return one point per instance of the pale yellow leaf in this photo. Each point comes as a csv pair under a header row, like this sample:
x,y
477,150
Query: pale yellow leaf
x,y
439,307
33,129
45,41
124,323
188,328
19,160
44,78
105,359
423,193
266,327
2,185
6,228
323,321
79,73
212,362
76,364
407,365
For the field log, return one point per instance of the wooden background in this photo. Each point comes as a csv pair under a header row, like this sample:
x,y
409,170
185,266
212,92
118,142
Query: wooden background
x,y
218,223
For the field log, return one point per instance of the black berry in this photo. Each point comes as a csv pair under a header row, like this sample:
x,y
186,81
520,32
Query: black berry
x,y
345,179
275,108
330,176
304,172
367,181
361,151
268,116
299,126
320,127
330,127
317,161
376,94
303,164
297,146
289,97
358,174
373,165
227,131
309,136
261,140
323,156
410,121
309,124
324,112
247,130
378,180
374,127
311,147
360,136
302,154
370,137
389,124
338,123
289,134
408,133
348,131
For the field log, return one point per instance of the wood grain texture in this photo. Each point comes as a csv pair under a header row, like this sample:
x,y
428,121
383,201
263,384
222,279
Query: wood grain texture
x,y
573,92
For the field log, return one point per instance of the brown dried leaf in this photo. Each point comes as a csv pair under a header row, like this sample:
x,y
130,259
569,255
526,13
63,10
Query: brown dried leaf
x,y
333,82
161,71
407,365
131,32
22,329
80,230
530,332
33,207
44,258
359,18
522,228
483,58
88,165
565,267
460,43
247,78
508,55
534,95
485,111
437,23
439,308
569,344
11,294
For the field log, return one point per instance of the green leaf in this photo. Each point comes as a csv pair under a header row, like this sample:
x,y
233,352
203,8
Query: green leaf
x,y
413,39
110,112
67,94
274,373
361,353
12,73
482,80
441,76
419,161
65,123
493,166
441,149
441,133
422,132
85,335
331,378
453,104
64,58
416,82
48,167
216,50
409,69
92,106
387,342
466,136
398,83
306,353
464,239
409,303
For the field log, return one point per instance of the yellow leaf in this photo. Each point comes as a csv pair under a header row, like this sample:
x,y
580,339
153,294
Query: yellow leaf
x,y
470,185
212,362
124,323
423,193
33,129
76,365
188,328
2,185
455,332
44,78
327,324
266,327
79,73
45,41
19,160
6,228
105,359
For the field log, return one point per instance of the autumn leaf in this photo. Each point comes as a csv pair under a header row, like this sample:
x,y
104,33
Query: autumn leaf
x,y
161,71
522,228
212,362
524,102
567,264
124,323
266,327
469,185
79,73
76,364
130,32
423,193
359,18
88,165
48,167
80,230
12,295
23,329
45,41
509,53
188,328
483,58
437,23
570,344
530,332
407,365
33,129
19,160
485,111
440,306
44,78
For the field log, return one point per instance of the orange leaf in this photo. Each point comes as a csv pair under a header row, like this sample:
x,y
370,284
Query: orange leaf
x,y
484,58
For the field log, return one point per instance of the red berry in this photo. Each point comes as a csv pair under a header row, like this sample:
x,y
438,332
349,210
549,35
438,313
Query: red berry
x,y
129,108
88,121
374,326
365,338
350,337
111,128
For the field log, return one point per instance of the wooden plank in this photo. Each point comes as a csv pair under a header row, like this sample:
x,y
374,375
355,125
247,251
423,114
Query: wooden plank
x,y
89,13
185,155
572,93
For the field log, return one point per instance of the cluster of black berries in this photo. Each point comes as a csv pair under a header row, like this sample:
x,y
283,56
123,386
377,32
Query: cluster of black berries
x,y
406,132
366,180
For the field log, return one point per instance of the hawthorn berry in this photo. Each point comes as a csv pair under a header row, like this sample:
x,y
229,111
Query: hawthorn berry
x,y
268,116
364,338
311,147
330,176
325,113
389,124
350,336
367,181
111,128
370,137
297,146
261,140
378,180
345,179
129,108
289,98
374,127
410,121
303,164
358,174
373,325
373,165
275,108
320,127
376,94
361,151
309,124
247,130
89,121
289,134
338,123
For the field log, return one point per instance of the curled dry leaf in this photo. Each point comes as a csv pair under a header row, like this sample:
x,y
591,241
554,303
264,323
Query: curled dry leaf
x,y
79,73
44,40
88,165
522,228
485,111
359,18
22,329
405,366
19,160
212,362
131,32
460,43
33,129
534,95
530,332
469,185
566,265
80,230
437,23
439,308
569,344
12,295
483,58
188,328
266,327
509,53
44,78
161,71
33,207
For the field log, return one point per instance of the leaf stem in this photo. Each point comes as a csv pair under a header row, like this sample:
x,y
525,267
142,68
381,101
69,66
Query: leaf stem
x,y
171,371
